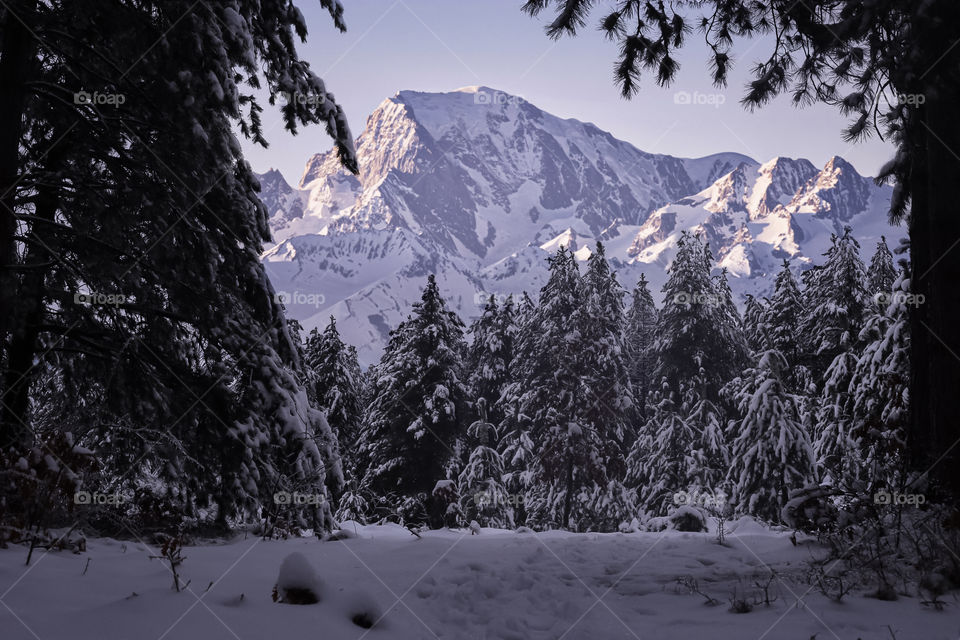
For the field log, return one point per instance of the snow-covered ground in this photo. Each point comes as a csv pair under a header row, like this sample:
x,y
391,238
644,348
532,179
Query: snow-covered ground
x,y
449,584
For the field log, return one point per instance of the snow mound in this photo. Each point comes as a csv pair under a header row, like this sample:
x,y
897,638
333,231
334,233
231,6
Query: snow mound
x,y
298,582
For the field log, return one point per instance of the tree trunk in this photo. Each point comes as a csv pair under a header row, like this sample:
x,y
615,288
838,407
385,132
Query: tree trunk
x,y
16,59
27,315
934,435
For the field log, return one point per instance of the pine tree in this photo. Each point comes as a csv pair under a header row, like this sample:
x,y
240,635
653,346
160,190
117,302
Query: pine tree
x,y
335,387
484,497
607,403
754,331
698,326
336,381
879,393
417,414
881,275
732,350
771,453
710,452
661,459
835,447
835,298
490,356
781,324
550,405
640,334
190,379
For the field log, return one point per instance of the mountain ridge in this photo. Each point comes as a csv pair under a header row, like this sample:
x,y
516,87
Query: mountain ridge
x,y
478,186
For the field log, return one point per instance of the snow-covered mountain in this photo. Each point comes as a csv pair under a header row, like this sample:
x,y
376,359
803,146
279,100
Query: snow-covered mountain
x,y
479,186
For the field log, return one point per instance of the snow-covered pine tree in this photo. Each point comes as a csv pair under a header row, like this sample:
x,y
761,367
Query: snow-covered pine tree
x,y
418,409
640,334
732,350
607,406
881,275
482,493
835,446
548,400
879,392
335,380
698,327
607,402
490,356
781,323
192,381
771,453
754,330
545,393
835,298
661,459
710,451
516,444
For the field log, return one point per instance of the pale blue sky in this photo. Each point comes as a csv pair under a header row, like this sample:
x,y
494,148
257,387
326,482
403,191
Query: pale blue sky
x,y
440,45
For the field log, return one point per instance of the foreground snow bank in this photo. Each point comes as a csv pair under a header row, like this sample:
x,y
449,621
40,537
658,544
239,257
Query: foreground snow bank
x,y
382,582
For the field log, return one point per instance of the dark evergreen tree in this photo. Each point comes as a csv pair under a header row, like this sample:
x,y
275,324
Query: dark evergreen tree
x,y
483,496
770,452
709,450
336,381
835,446
698,327
754,331
607,403
882,274
733,351
417,415
549,406
781,325
661,460
491,355
335,386
879,394
121,180
835,298
640,335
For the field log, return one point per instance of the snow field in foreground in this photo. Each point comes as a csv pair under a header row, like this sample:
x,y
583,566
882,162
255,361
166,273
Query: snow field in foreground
x,y
449,584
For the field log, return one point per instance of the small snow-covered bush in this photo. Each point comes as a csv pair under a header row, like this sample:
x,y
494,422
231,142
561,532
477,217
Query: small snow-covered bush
x,y
811,509
682,518
298,582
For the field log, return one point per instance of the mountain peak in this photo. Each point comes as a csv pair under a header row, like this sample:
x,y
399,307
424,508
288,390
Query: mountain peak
x,y
479,186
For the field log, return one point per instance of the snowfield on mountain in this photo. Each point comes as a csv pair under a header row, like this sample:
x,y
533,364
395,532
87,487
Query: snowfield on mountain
x,y
478,187
450,584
